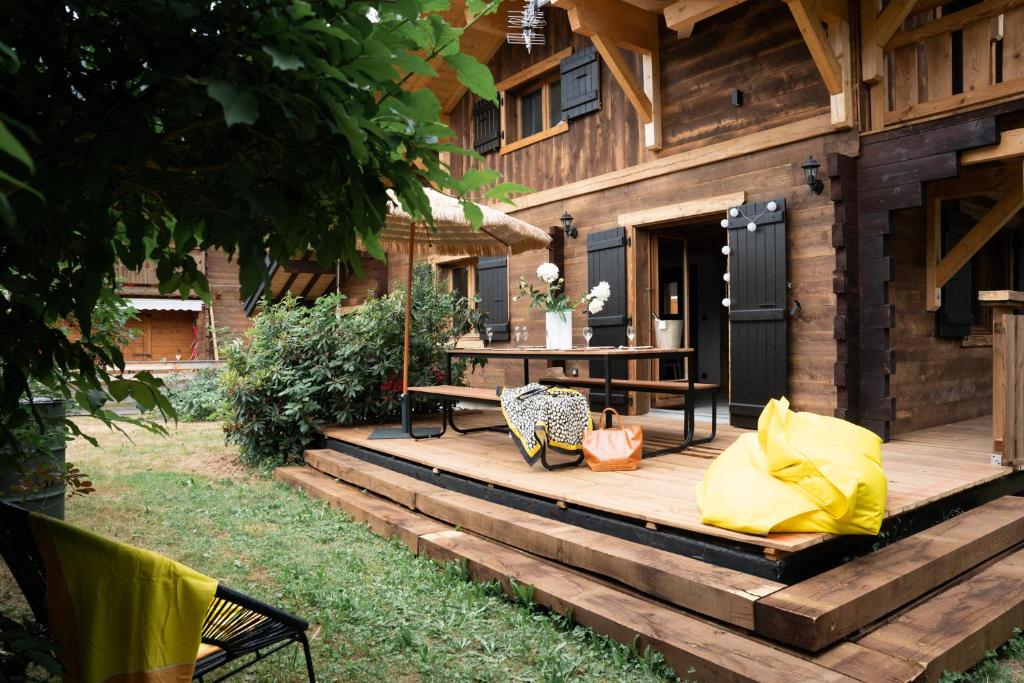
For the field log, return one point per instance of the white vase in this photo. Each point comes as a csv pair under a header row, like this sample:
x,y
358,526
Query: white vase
x,y
559,329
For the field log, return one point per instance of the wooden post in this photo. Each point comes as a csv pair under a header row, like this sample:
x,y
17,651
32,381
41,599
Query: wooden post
x,y
1005,399
1013,387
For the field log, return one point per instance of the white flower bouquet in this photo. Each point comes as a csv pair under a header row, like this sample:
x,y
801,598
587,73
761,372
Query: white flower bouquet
x,y
555,299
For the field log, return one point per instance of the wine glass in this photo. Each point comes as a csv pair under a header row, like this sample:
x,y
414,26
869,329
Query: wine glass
x,y
630,334
518,334
526,336
490,334
588,334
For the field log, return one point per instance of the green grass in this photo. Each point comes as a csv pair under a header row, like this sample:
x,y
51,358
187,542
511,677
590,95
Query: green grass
x,y
377,612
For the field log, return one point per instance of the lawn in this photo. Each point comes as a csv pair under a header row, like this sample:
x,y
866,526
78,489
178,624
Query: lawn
x,y
378,613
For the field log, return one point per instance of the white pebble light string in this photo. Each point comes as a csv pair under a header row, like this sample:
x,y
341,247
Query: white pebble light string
x,y
736,212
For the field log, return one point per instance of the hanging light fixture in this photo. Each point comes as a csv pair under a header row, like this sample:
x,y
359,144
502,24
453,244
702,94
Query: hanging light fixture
x,y
811,167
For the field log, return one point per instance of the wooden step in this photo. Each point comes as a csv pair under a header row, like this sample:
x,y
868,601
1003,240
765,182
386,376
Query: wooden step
x,y
952,630
822,610
696,649
384,518
705,588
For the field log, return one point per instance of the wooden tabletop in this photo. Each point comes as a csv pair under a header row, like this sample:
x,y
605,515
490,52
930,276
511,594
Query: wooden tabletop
x,y
1001,297
576,352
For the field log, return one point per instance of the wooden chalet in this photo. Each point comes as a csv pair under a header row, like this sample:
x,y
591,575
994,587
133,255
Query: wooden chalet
x,y
879,286
168,328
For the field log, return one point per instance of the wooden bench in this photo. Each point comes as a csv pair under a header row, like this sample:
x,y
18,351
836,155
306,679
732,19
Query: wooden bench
x,y
680,387
451,394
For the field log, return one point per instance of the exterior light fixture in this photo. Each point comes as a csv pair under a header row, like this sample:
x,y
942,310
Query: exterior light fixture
x,y
570,229
811,167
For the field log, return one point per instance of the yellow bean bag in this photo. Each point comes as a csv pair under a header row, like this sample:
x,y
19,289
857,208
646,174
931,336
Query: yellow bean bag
x,y
800,472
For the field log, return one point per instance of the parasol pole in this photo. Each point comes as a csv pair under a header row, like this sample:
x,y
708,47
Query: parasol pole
x,y
406,408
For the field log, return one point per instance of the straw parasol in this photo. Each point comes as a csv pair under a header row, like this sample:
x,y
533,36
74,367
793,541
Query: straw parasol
x,y
453,234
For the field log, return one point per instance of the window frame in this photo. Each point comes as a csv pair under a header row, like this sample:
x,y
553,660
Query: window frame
x,y
539,75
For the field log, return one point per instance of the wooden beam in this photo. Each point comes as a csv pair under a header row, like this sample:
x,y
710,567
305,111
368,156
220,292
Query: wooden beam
x,y
975,181
650,66
619,23
951,22
622,70
674,212
1011,144
933,249
683,15
842,105
890,20
1009,204
872,66
533,71
832,11
818,43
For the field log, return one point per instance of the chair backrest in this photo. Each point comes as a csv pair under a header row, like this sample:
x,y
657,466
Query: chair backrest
x,y
18,548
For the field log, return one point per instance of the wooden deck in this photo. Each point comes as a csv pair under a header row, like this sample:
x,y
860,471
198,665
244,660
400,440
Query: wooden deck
x,y
922,467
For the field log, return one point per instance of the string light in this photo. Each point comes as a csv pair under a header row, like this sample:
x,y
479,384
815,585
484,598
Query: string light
x,y
726,277
726,250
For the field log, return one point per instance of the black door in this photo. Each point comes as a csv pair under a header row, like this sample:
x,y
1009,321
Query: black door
x,y
706,313
606,261
757,311
492,288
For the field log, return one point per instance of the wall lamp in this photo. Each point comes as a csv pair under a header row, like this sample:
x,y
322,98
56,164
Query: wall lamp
x,y
811,167
570,229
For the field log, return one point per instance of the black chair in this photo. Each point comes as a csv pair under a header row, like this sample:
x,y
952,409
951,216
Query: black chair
x,y
237,626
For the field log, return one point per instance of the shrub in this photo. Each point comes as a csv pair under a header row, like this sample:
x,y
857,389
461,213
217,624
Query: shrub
x,y
302,367
198,397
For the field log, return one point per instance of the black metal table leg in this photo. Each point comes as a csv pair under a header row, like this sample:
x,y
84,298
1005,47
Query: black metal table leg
x,y
607,389
526,371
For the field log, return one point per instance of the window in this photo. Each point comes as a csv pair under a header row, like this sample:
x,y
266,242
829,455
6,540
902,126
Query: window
x,y
538,106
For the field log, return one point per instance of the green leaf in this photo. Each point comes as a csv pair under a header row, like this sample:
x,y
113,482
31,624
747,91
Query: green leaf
x,y
473,212
501,192
10,145
475,178
239,104
19,184
283,60
473,75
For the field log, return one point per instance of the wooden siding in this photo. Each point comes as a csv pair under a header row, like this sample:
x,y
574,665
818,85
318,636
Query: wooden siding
x,y
768,62
161,336
936,380
228,307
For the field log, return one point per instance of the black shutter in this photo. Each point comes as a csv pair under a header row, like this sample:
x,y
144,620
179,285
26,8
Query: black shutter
x,y
606,260
486,127
581,83
956,314
492,288
757,311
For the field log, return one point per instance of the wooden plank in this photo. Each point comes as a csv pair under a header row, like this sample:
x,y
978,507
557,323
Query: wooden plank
x,y
696,649
869,665
462,393
820,611
533,71
954,629
963,101
1011,144
932,250
1001,297
650,69
382,481
665,386
383,518
1013,381
950,22
621,24
716,592
678,211
818,44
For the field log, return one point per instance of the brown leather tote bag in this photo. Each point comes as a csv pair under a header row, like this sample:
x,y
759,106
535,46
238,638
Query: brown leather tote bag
x,y
614,449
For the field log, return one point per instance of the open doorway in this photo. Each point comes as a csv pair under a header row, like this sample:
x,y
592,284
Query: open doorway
x,y
686,278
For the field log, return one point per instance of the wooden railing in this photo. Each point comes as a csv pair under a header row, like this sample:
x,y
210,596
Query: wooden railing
x,y
941,62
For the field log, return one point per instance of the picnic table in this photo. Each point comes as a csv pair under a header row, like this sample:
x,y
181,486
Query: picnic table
x,y
598,385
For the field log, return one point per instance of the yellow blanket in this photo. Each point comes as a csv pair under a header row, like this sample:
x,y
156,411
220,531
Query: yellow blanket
x,y
120,613
800,472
